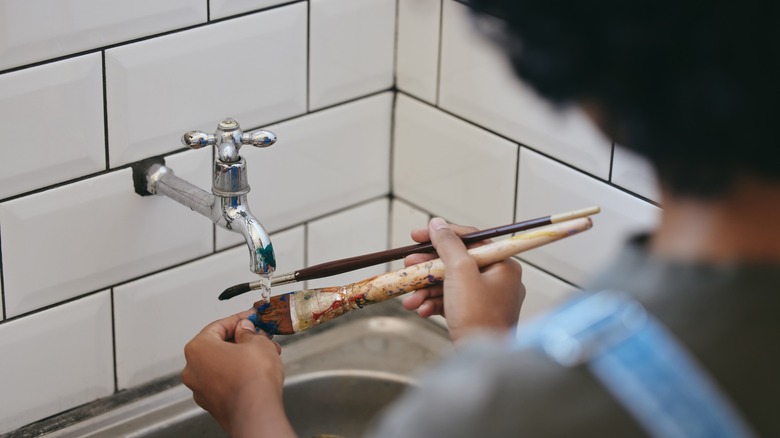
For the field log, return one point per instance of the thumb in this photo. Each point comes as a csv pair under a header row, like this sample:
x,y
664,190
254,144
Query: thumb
x,y
449,245
245,332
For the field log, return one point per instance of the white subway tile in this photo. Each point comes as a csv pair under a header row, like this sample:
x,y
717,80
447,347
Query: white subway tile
x,y
542,292
36,31
477,83
403,219
635,173
225,8
547,187
351,45
452,168
321,162
73,239
251,68
55,360
52,124
182,301
360,230
417,62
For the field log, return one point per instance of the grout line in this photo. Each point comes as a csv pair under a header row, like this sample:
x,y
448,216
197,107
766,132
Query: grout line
x,y
551,274
113,341
308,56
438,62
208,10
105,109
306,244
180,150
140,39
611,160
517,181
2,278
86,177
51,306
544,154
391,163
198,258
325,108
395,43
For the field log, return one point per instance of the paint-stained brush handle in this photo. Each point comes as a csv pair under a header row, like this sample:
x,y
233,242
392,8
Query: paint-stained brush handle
x,y
296,311
362,261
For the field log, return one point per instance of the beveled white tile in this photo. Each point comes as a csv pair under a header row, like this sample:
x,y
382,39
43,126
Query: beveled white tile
x,y
635,173
359,230
547,187
55,360
251,68
184,300
452,168
403,219
351,49
77,238
36,31
225,8
322,162
478,84
417,62
543,292
52,124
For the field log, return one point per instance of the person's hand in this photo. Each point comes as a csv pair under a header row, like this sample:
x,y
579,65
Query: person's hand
x,y
471,299
236,375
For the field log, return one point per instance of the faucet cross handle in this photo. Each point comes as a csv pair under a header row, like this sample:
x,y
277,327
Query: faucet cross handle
x,y
228,138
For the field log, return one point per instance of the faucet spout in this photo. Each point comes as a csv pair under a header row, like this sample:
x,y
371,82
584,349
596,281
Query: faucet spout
x,y
236,216
226,210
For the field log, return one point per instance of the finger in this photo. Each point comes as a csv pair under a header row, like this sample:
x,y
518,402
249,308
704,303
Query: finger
x,y
433,306
416,298
448,245
224,328
245,332
421,235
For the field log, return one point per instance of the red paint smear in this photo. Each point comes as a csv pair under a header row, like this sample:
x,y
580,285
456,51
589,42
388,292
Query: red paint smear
x,y
333,306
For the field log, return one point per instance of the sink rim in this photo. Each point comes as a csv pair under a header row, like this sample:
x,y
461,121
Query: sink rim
x,y
177,403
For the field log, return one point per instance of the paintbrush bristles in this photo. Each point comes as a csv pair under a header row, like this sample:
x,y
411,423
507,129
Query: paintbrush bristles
x,y
307,308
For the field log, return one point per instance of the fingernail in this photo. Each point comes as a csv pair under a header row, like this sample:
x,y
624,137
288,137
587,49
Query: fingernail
x,y
246,324
438,223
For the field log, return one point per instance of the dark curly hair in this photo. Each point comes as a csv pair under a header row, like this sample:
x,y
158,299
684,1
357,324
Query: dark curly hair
x,y
690,85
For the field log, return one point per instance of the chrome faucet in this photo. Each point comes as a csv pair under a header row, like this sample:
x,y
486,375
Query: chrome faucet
x,y
226,205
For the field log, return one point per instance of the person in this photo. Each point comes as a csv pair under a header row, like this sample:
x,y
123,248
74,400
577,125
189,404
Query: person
x,y
690,86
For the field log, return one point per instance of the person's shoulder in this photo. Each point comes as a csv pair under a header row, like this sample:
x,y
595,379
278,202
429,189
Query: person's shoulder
x,y
488,388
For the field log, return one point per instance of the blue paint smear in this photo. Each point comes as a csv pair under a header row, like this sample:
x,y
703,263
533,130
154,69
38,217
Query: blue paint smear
x,y
267,254
267,327
283,298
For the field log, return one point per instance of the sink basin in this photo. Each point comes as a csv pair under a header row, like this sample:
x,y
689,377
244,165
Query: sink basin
x,y
337,380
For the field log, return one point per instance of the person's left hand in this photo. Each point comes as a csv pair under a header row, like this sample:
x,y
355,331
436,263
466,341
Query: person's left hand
x,y
236,375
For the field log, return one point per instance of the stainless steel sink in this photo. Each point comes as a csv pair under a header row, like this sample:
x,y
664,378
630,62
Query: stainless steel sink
x,y
338,379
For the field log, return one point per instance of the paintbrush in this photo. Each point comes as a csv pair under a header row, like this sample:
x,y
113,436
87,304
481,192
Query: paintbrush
x,y
294,312
352,263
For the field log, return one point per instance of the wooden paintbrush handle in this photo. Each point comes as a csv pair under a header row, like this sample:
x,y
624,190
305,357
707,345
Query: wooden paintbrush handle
x,y
391,284
315,306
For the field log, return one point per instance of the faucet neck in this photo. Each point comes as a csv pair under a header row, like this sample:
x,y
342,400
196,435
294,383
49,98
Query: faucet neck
x,y
230,178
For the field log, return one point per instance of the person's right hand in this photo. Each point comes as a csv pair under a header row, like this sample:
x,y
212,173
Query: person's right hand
x,y
471,299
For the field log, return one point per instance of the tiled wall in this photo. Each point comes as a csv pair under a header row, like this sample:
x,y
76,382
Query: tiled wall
x,y
387,111
101,288
474,145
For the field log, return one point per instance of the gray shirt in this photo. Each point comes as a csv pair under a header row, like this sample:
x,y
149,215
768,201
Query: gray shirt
x,y
728,316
